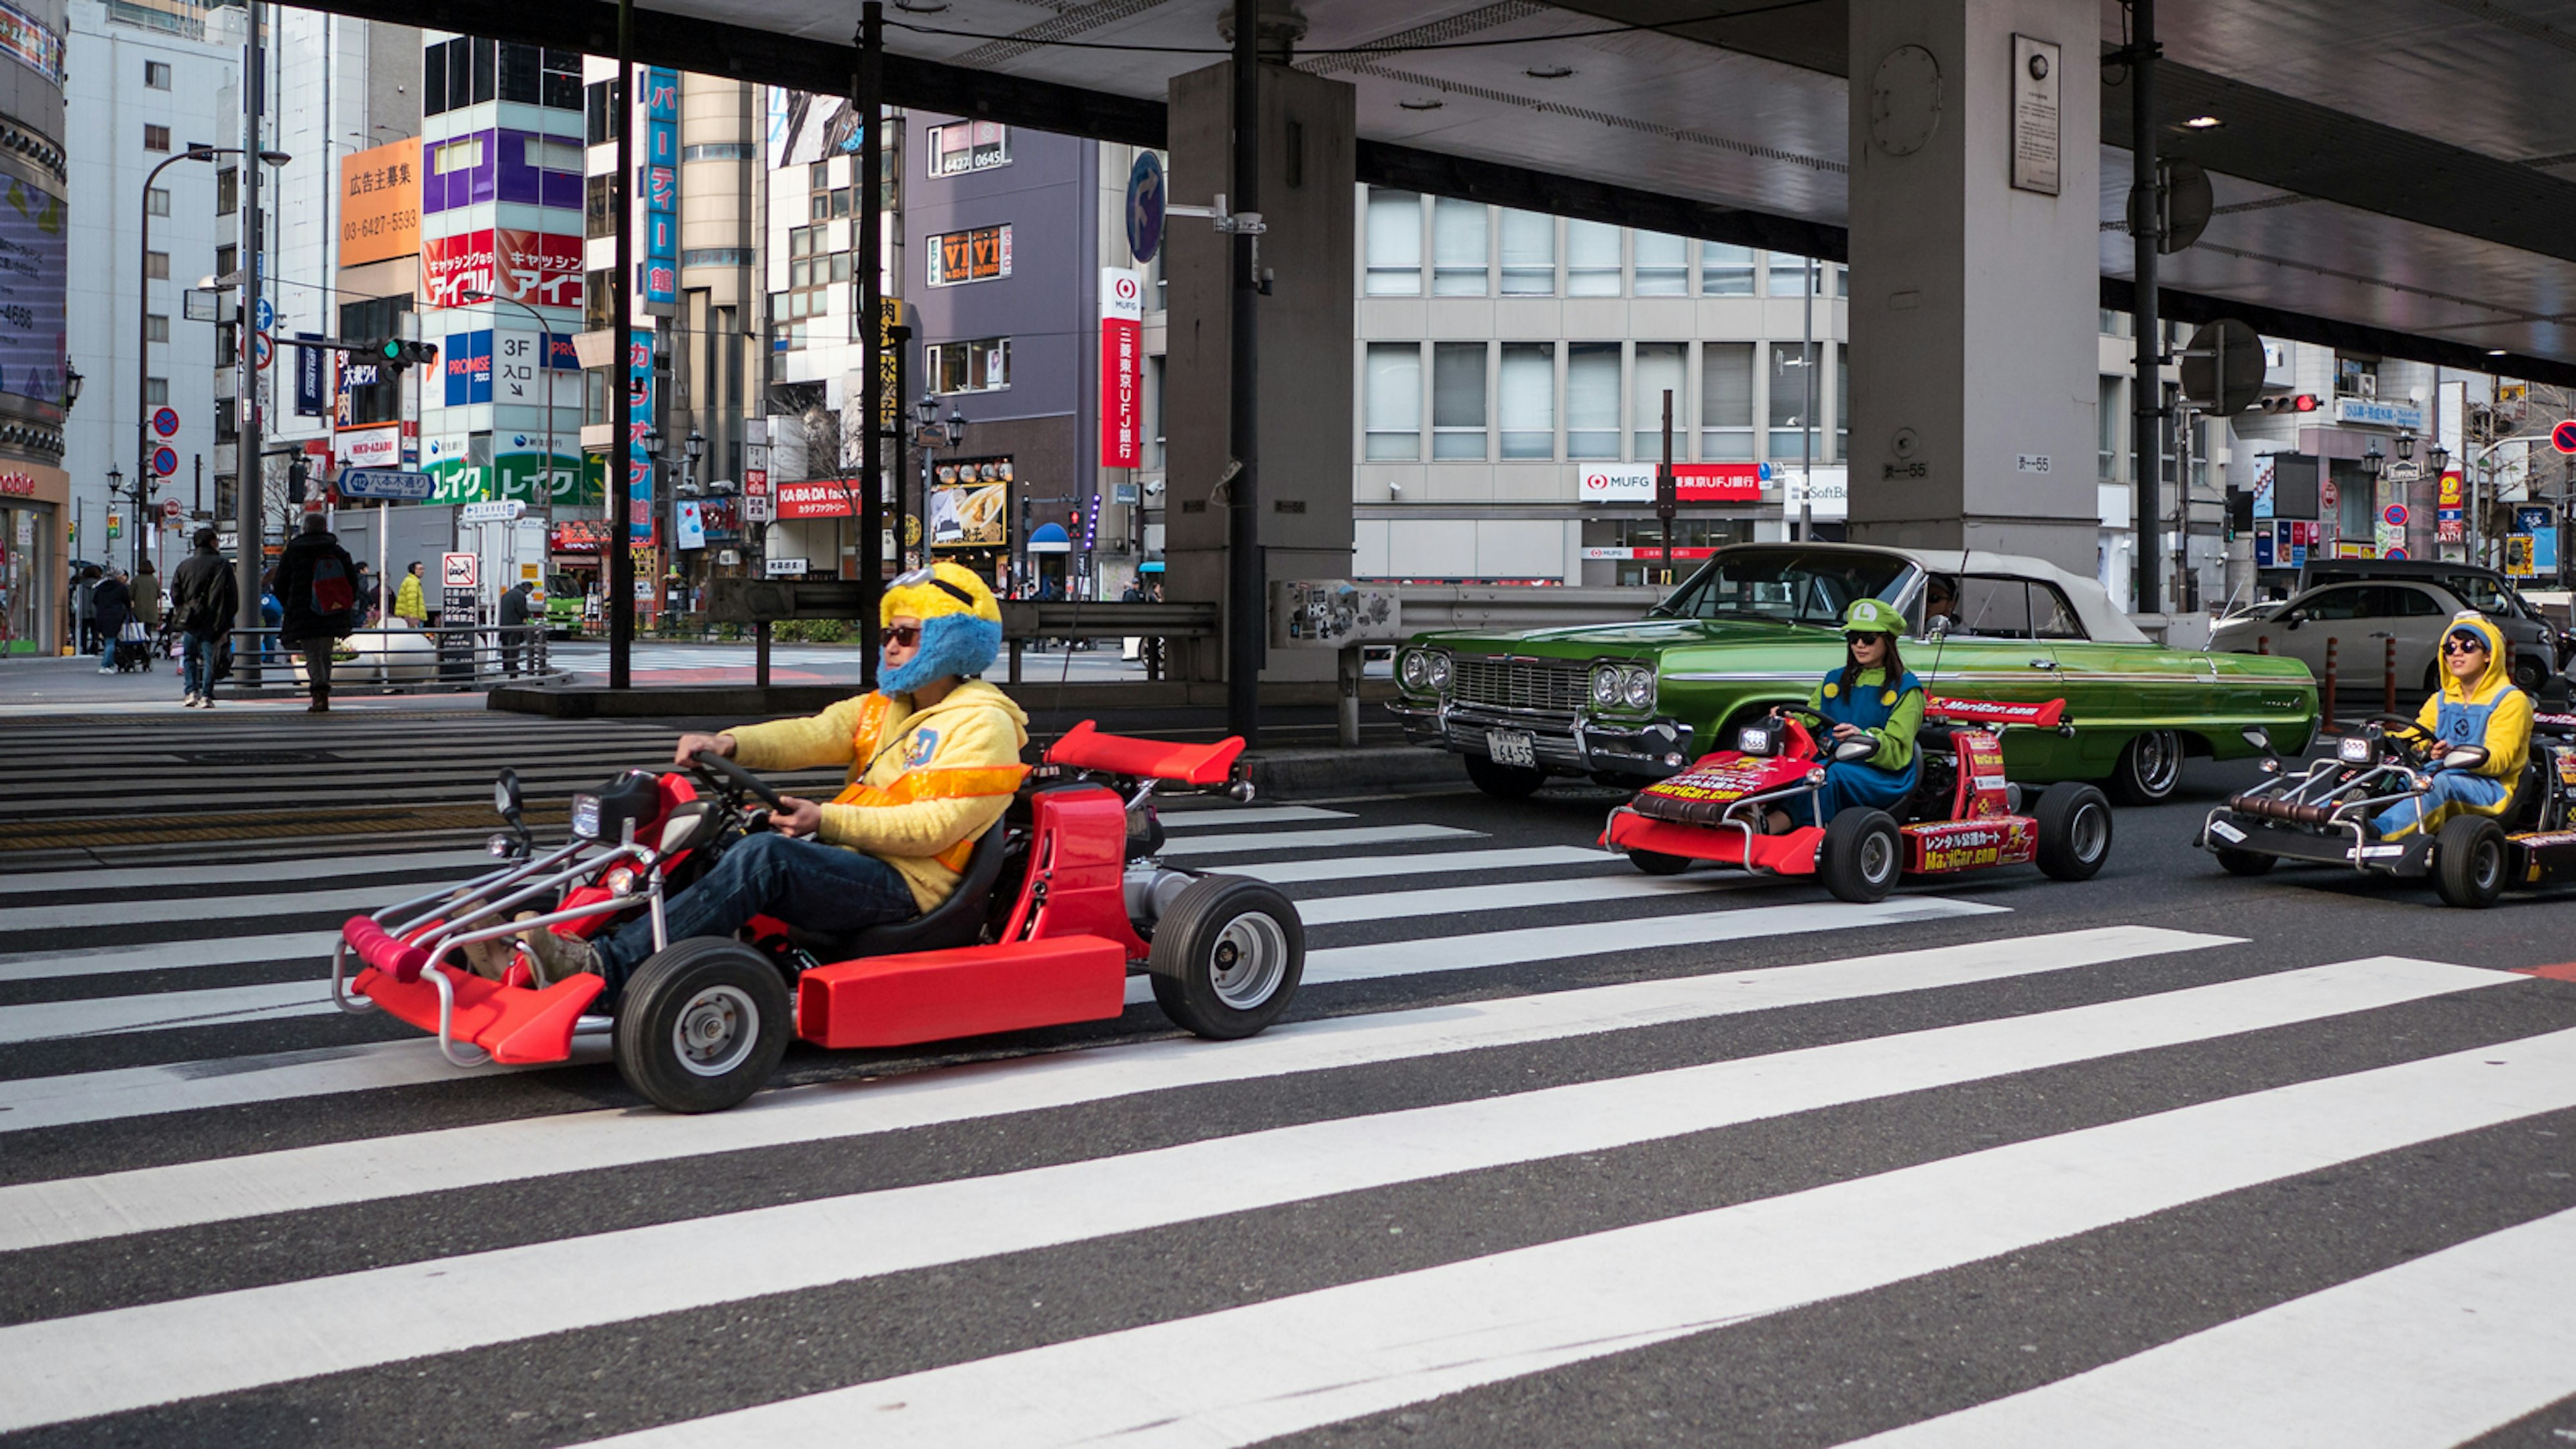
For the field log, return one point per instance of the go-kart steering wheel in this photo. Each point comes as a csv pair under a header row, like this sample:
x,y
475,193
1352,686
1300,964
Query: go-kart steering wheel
x,y
2405,734
1814,716
723,773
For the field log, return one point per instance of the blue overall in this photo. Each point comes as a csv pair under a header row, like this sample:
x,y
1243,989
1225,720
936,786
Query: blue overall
x,y
1858,782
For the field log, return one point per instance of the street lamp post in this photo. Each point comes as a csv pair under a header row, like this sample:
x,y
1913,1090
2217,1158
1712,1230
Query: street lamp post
x,y
545,355
929,433
143,321
116,484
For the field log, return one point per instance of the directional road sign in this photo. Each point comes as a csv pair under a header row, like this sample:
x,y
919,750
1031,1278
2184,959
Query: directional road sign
x,y
165,421
385,484
267,315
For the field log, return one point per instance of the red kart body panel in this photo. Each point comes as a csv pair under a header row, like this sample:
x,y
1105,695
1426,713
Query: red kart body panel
x,y
519,1026
1950,846
885,1001
1077,881
1086,748
1790,854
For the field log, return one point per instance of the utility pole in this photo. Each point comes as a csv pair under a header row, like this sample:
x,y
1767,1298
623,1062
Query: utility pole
x,y
2146,232
867,96
1244,564
620,478
249,468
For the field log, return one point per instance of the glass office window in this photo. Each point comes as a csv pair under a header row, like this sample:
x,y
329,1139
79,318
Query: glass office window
x,y
1529,254
1663,265
1394,393
1591,259
2106,423
1726,402
1658,367
1725,270
1789,274
1394,243
1592,400
1458,400
1457,248
1842,402
1525,395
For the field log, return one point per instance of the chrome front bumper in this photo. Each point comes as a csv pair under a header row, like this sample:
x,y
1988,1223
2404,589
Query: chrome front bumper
x,y
1577,744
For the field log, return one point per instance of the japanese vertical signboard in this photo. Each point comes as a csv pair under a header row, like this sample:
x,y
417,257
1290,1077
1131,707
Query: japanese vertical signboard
x,y
661,187
1122,352
639,421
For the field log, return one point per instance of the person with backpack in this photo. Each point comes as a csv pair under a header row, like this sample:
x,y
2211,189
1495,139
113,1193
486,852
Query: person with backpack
x,y
112,604
317,596
203,599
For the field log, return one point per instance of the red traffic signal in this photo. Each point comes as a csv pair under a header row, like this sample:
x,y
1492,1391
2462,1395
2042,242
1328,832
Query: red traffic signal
x,y
2305,402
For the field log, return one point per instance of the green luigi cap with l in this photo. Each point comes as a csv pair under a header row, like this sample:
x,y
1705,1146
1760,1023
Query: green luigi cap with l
x,y
1870,616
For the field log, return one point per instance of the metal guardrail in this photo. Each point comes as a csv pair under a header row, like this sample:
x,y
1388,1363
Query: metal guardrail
x,y
1493,606
397,660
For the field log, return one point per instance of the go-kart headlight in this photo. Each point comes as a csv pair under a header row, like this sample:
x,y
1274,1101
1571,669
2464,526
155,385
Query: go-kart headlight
x,y
1439,668
2354,750
1637,688
619,880
585,817
1415,669
1753,740
1605,686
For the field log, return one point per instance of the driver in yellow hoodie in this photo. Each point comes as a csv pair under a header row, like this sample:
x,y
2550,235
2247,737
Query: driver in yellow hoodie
x,y
2477,707
933,757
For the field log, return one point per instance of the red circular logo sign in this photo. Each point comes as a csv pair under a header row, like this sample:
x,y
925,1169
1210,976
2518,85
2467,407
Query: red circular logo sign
x,y
1126,289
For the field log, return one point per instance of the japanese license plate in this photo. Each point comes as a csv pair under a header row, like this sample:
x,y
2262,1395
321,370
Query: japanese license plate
x,y
1512,747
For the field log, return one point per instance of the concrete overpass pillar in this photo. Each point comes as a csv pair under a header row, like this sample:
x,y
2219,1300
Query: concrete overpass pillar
x,y
1975,266
1308,135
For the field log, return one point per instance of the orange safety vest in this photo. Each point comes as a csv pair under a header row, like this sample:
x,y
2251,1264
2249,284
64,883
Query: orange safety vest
x,y
950,782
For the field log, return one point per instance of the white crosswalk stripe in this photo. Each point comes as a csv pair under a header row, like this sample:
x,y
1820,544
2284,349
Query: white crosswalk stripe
x,y
190,1226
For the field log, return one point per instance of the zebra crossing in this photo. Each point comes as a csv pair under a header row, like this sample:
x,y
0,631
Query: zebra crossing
x,y
1536,1121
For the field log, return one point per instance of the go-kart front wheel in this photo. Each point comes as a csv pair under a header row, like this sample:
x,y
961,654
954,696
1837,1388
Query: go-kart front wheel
x,y
2468,861
2245,862
702,1024
1656,862
1862,854
2074,832
1228,954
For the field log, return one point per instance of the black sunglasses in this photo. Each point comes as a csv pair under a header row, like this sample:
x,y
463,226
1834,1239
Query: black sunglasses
x,y
904,635
2463,644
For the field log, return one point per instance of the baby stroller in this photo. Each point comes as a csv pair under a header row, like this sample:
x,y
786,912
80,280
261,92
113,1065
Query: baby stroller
x,y
133,648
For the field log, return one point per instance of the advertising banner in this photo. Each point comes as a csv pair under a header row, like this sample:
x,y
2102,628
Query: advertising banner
x,y
982,254
1692,482
661,281
31,42
466,362
541,269
1122,366
371,448
816,498
639,421
969,503
312,380
688,525
380,203
33,264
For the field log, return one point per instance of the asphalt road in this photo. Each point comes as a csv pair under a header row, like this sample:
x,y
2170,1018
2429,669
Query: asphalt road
x,y
1545,1153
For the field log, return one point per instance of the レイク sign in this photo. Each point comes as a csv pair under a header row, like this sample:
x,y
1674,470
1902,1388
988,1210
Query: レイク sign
x,y
1122,365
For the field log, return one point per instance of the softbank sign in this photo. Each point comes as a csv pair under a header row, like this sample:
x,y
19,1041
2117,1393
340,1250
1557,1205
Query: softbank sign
x,y
1692,482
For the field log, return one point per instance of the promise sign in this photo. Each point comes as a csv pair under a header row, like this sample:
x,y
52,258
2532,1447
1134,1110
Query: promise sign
x,y
982,254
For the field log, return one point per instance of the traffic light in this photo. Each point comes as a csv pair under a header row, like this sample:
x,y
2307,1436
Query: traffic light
x,y
2305,402
396,353
298,478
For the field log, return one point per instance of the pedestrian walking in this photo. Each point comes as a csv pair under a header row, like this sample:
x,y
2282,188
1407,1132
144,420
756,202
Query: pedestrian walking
x,y
85,607
203,600
411,605
317,599
514,622
147,604
111,605
371,604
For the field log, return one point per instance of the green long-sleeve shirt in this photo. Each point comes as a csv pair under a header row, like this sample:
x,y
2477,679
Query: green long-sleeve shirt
x,y
1896,737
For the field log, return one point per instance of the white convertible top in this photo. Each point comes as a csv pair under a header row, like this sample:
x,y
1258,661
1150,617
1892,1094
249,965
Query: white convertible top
x,y
2103,620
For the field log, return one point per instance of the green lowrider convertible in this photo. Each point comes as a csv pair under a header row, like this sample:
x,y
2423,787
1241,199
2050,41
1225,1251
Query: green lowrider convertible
x,y
1759,624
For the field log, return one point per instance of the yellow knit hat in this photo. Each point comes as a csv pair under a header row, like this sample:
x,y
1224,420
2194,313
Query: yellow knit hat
x,y
942,589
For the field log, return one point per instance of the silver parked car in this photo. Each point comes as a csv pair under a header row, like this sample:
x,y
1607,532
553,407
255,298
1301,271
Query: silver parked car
x,y
2360,618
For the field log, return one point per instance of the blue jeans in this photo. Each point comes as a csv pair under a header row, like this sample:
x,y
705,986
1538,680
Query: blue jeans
x,y
818,887
107,647
2449,788
196,664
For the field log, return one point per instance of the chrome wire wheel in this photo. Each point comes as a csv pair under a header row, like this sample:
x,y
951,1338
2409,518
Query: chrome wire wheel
x,y
2149,768
716,1030
1250,958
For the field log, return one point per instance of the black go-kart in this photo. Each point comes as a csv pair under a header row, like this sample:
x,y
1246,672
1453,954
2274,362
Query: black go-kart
x,y
2322,815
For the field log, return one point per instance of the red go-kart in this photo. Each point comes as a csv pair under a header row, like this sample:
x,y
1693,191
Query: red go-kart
x,y
1963,814
1058,904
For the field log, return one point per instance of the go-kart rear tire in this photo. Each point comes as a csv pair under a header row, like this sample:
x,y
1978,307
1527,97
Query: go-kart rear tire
x,y
702,1024
1862,855
1655,862
2468,861
2074,832
1228,954
2246,862
1503,782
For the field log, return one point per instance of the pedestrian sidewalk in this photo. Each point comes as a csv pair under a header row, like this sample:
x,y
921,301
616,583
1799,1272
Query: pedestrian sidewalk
x,y
33,686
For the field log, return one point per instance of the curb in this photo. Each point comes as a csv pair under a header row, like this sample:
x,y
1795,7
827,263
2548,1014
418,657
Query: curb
x,y
1308,774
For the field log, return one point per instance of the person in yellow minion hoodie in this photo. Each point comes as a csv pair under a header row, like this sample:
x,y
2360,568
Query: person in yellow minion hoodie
x,y
2478,706
933,757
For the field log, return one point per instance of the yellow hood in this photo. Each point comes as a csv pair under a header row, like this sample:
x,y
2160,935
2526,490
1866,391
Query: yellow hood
x,y
2499,671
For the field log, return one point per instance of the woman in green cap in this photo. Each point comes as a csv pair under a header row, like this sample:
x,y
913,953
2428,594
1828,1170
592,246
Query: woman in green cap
x,y
1871,696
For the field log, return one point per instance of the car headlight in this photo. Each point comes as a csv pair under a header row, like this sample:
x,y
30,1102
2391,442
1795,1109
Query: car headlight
x,y
1439,671
1415,669
2354,750
1637,688
585,817
1605,686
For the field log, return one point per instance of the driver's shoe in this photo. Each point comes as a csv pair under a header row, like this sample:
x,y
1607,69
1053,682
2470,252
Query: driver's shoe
x,y
558,958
